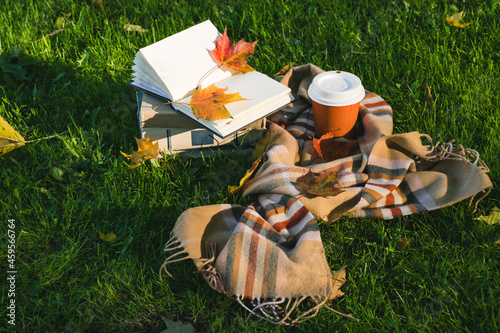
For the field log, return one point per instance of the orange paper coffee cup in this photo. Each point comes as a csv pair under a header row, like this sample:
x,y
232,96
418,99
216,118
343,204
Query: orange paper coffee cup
x,y
335,96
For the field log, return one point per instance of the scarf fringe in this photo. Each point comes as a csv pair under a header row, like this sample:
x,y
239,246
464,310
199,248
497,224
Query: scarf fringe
x,y
274,312
450,151
170,247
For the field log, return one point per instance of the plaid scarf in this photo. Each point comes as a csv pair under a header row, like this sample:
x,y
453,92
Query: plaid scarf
x,y
269,256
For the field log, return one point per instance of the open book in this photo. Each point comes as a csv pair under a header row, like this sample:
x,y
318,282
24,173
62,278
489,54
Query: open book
x,y
172,69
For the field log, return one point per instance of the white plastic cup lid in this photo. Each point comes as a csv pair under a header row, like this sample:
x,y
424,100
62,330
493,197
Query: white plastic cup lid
x,y
336,88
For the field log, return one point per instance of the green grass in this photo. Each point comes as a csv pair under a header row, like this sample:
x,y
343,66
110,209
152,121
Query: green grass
x,y
61,192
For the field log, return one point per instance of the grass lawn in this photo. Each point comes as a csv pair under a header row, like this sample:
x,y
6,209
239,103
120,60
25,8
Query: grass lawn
x,y
60,193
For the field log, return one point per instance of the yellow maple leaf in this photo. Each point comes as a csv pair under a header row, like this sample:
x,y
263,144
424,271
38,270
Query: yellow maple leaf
x,y
145,150
209,103
10,139
109,237
454,20
234,189
260,146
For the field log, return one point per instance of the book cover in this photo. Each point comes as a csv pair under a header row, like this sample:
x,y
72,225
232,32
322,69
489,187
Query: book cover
x,y
173,67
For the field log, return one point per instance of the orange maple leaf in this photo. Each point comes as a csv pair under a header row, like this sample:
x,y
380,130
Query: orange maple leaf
x,y
208,103
145,150
233,56
331,148
320,183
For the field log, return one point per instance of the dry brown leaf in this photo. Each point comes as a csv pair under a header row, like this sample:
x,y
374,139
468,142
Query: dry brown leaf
x,y
402,243
338,279
320,183
331,148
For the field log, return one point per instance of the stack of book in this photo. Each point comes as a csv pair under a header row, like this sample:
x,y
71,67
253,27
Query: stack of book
x,y
176,133
172,69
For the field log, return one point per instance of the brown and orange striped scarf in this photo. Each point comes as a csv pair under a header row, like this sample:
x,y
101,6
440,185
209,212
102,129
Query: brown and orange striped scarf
x,y
269,256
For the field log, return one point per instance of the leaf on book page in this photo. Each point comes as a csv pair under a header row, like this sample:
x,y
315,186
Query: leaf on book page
x,y
320,183
454,20
233,56
10,139
331,148
208,103
109,237
145,150
234,189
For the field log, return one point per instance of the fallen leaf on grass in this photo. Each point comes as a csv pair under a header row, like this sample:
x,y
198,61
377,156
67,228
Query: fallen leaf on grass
x,y
109,237
338,278
320,183
145,150
233,56
177,327
10,139
133,27
454,20
234,189
14,62
492,218
497,238
430,100
209,103
331,148
285,69
402,243
260,146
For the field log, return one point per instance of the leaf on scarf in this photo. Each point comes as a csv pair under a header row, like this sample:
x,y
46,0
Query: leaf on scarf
x,y
208,103
260,146
234,189
177,327
146,150
233,56
492,218
331,148
320,183
133,27
338,279
454,20
109,237
10,139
